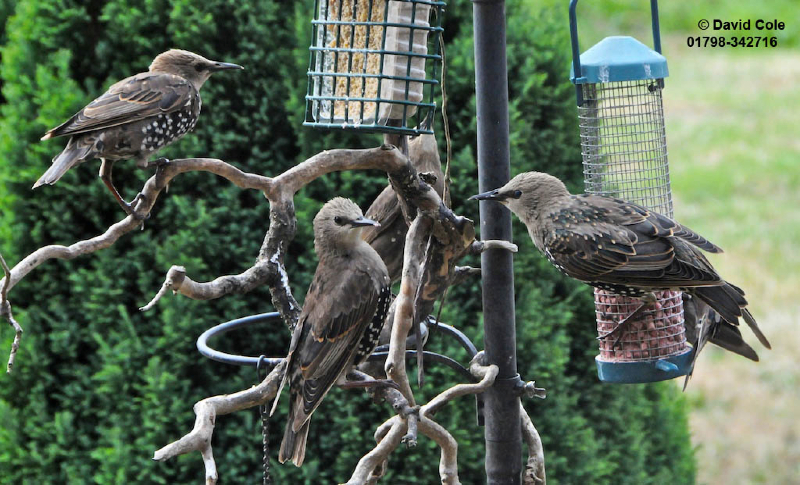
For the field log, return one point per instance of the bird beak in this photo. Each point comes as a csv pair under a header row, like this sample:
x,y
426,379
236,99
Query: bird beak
x,y
222,66
363,221
491,195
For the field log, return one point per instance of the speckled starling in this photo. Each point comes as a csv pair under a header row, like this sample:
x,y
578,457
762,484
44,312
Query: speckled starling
x,y
342,317
136,117
619,246
389,239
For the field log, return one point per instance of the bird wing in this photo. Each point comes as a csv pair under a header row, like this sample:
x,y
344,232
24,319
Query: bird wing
x,y
385,209
646,221
137,97
334,319
599,239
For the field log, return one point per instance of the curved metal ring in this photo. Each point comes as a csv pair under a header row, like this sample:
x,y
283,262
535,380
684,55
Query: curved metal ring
x,y
428,357
380,353
455,333
206,351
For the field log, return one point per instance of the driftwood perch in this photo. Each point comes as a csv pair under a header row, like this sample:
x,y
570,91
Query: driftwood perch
x,y
436,240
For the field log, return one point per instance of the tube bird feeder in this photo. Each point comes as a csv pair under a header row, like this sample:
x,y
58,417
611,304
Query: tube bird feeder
x,y
373,65
619,82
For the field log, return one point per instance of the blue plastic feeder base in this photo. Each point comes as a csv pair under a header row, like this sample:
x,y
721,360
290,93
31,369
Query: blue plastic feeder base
x,y
641,372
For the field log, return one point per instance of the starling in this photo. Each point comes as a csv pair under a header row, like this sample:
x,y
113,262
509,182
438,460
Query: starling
x,y
135,118
390,237
342,317
620,247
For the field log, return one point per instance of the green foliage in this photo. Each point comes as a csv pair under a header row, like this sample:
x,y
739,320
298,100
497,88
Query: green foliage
x,y
99,386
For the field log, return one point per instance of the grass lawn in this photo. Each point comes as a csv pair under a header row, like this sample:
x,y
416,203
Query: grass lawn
x,y
733,132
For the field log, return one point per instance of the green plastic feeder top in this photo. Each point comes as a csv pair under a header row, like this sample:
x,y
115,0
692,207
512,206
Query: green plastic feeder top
x,y
620,58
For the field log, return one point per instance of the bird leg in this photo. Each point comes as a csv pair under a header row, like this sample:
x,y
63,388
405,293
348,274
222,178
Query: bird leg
x,y
105,176
646,299
372,383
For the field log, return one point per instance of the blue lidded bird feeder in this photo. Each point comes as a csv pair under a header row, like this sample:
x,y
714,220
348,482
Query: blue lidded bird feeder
x,y
618,83
373,65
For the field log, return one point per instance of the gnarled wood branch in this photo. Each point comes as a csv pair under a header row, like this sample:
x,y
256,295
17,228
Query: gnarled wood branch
x,y
206,412
5,312
437,239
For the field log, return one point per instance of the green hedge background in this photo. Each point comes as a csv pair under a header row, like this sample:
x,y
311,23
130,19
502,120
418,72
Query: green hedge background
x,y
99,386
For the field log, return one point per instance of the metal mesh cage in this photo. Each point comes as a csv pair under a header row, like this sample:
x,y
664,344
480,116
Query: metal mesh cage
x,y
657,334
624,150
373,65
623,143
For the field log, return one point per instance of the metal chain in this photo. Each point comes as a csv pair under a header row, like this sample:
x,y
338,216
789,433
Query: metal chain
x,y
262,409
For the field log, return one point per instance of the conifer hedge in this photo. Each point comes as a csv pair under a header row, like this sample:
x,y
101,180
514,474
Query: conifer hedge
x,y
99,386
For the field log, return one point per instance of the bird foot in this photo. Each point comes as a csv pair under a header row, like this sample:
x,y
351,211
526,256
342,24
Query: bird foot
x,y
130,208
616,332
376,384
158,163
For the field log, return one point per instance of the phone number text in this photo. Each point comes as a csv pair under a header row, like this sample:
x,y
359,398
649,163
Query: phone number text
x,y
722,41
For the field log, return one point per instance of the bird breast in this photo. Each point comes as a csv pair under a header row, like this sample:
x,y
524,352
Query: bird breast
x,y
159,131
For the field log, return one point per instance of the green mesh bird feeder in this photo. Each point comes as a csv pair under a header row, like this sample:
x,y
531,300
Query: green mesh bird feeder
x,y
623,143
373,65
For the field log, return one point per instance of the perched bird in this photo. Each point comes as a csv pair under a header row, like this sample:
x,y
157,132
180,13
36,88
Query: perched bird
x,y
135,118
620,246
342,317
389,238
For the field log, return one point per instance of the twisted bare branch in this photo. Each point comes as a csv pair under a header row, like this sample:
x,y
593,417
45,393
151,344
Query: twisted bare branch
x,y
534,468
388,436
207,410
436,240
487,374
5,312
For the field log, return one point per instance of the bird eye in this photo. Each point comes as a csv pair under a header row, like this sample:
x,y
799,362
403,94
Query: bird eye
x,y
338,220
517,194
199,67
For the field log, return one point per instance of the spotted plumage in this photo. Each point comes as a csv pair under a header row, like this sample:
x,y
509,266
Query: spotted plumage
x,y
342,316
135,118
373,333
619,246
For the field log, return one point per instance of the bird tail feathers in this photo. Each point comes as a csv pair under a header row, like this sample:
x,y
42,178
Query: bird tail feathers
x,y
71,156
730,338
729,302
293,446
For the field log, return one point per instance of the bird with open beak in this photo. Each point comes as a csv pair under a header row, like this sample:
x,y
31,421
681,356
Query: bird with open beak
x,y
342,317
624,248
135,118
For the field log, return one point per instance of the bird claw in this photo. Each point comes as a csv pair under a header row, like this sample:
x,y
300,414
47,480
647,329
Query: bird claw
x,y
616,332
130,208
376,384
159,163
646,299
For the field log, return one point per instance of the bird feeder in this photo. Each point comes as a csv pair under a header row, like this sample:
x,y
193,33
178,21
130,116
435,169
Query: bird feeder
x,y
373,65
623,144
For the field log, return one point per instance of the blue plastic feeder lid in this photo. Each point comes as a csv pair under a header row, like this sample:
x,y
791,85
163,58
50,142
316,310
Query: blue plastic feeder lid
x,y
620,58
645,371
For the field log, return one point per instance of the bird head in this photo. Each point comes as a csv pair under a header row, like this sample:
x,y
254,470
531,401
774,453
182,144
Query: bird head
x,y
188,65
527,193
337,226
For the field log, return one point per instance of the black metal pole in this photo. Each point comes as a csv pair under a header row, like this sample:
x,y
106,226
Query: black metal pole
x,y
503,433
